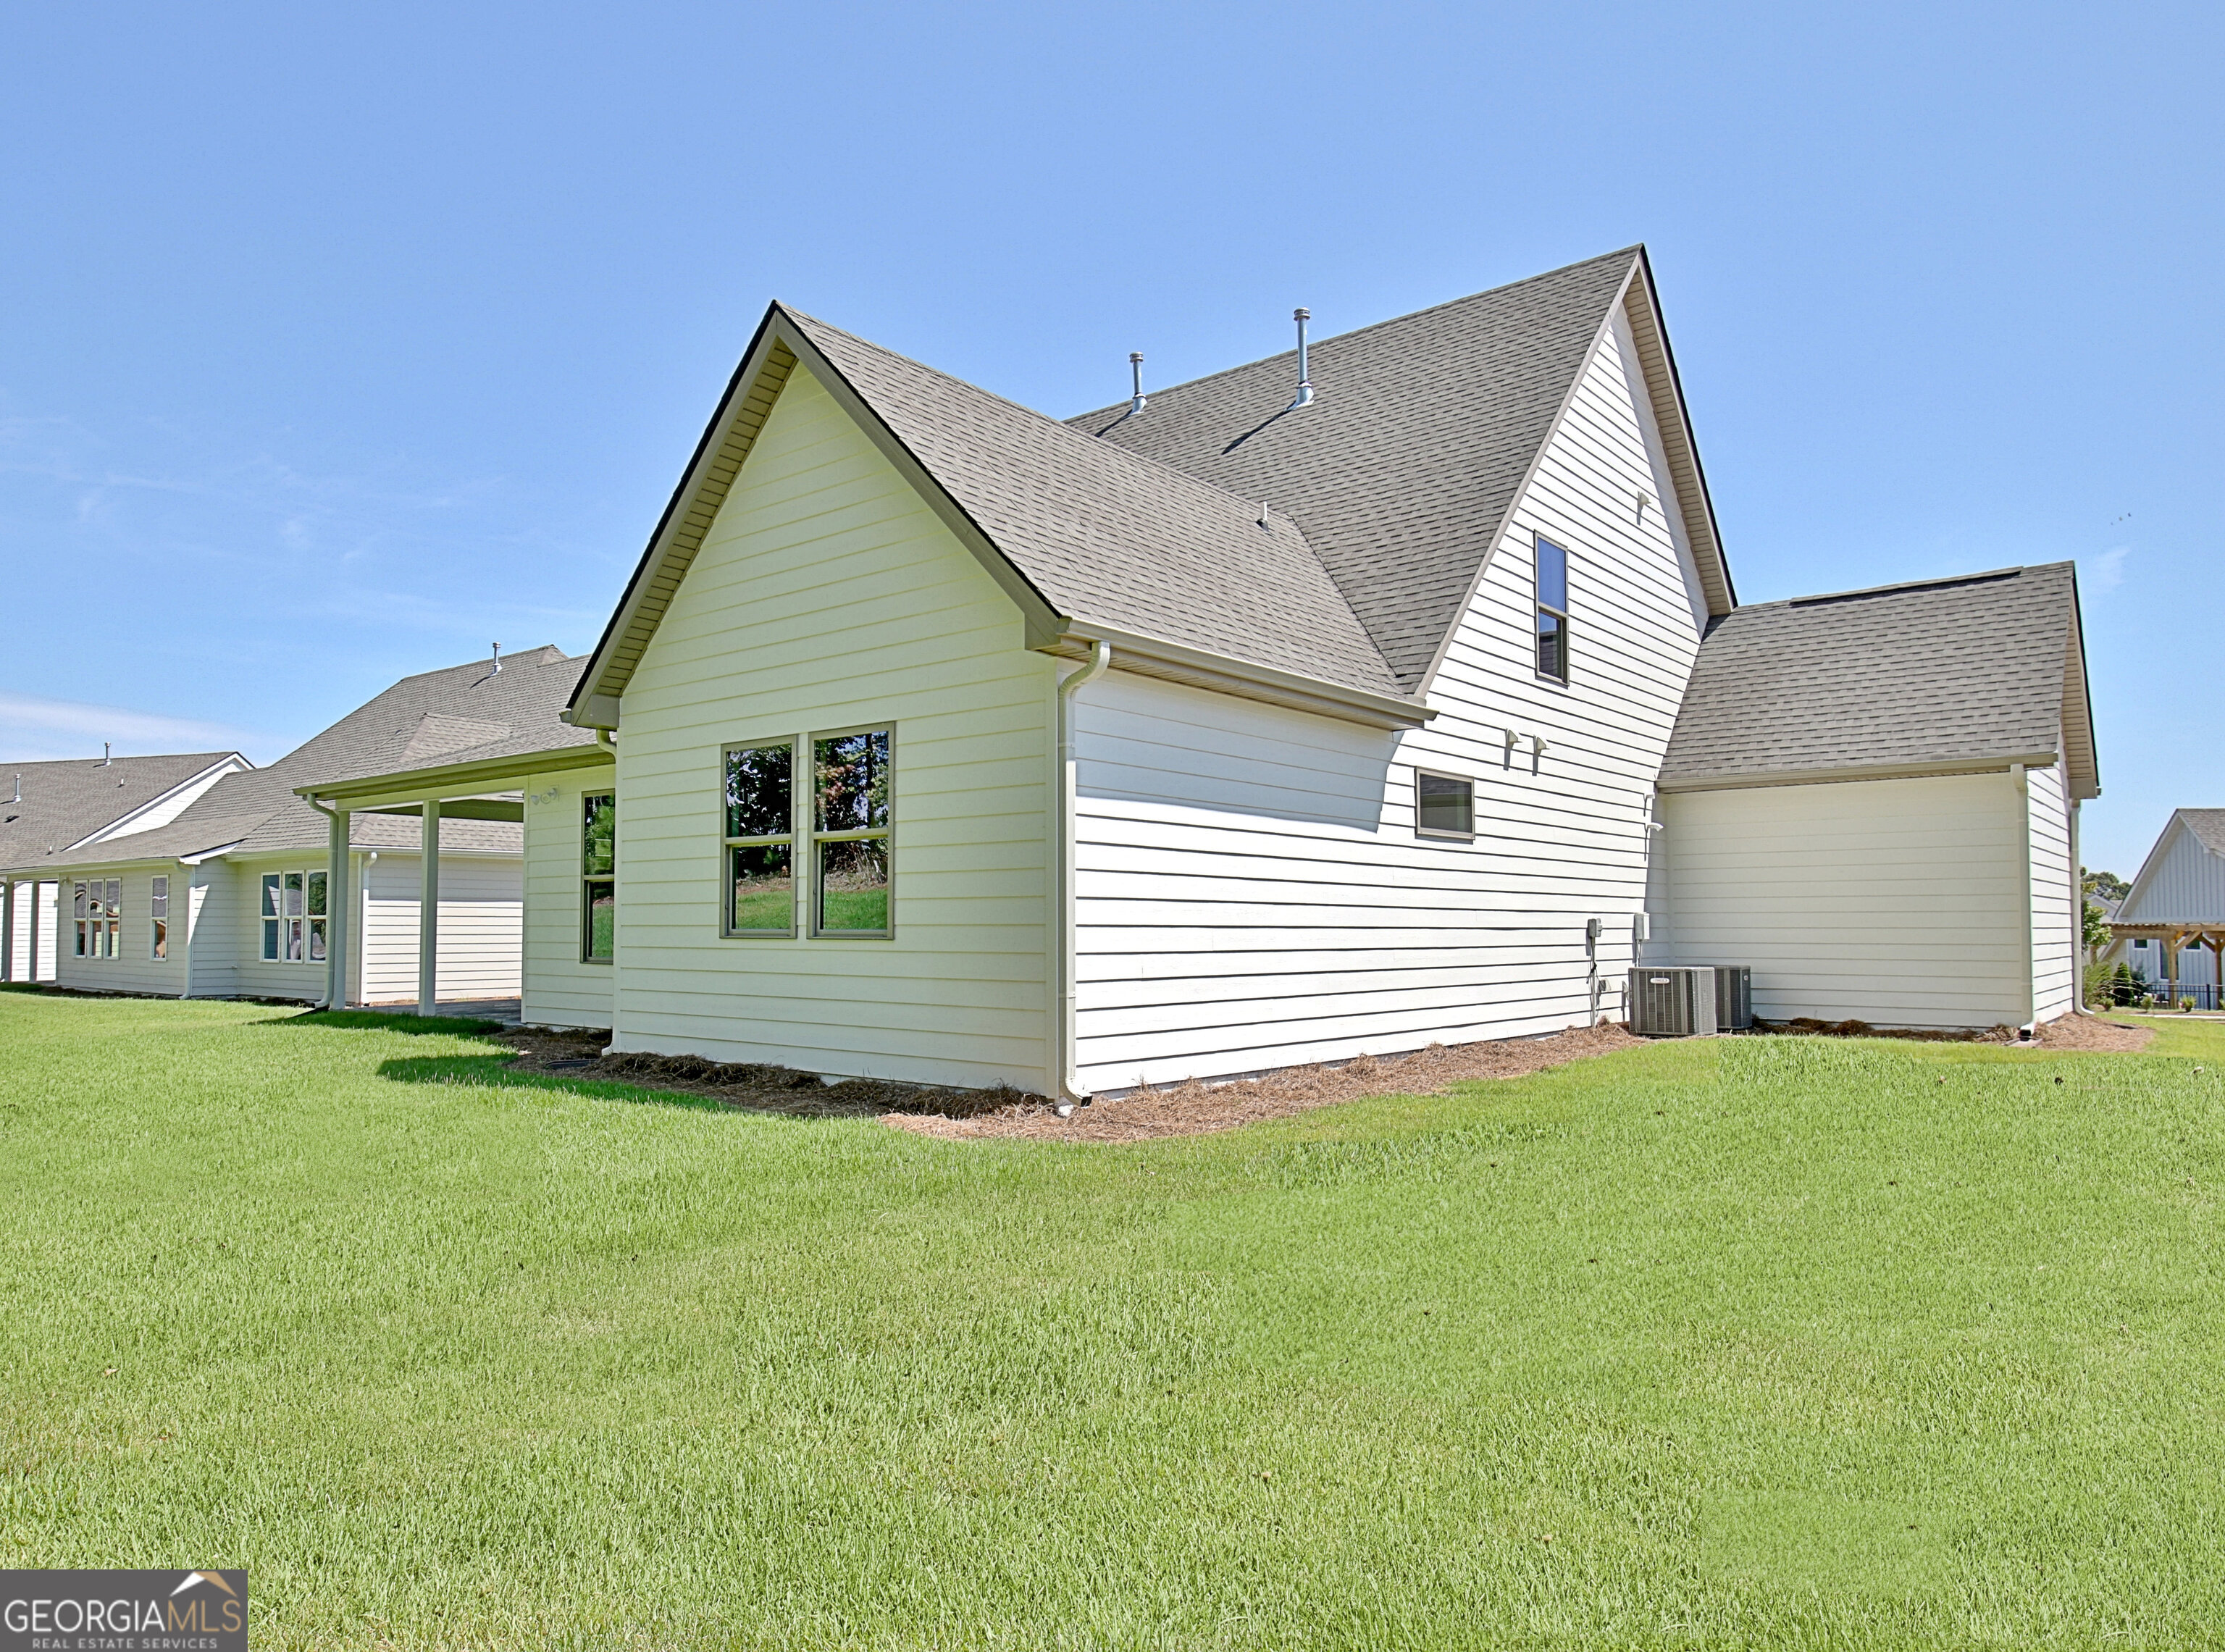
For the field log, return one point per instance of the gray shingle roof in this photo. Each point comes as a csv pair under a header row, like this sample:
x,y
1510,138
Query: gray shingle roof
x,y
2208,826
1403,469
65,802
1339,544
413,724
1943,671
1110,535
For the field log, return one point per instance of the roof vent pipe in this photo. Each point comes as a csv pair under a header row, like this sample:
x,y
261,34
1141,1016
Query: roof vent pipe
x,y
497,659
1137,402
1305,397
105,760
19,789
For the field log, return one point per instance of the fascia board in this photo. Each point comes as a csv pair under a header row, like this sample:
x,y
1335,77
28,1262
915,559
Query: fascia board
x,y
456,780
1716,561
1736,781
1150,656
2155,857
2077,685
746,374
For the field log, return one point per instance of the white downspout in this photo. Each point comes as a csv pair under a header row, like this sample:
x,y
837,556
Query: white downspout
x,y
2023,785
1069,1094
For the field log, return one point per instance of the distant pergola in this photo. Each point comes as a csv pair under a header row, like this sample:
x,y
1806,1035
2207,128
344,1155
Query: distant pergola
x,y
2173,937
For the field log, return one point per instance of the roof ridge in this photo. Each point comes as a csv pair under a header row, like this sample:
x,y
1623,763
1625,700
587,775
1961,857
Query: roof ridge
x,y
1629,252
1947,583
1066,429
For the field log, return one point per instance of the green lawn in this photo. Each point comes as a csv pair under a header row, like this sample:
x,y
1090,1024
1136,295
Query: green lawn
x,y
1763,1341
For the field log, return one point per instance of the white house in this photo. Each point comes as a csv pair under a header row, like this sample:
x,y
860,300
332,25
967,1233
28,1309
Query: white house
x,y
2172,924
1312,709
51,808
234,894
1872,800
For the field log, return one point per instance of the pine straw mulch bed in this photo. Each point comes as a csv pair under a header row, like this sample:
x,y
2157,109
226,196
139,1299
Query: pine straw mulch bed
x,y
1193,1108
1189,1109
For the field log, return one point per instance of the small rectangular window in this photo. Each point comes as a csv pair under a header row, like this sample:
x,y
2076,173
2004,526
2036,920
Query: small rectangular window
x,y
317,884
758,897
853,776
79,904
158,907
598,888
1552,612
1444,806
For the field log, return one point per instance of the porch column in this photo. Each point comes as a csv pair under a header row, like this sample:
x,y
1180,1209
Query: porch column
x,y
8,928
2170,967
337,938
429,910
34,976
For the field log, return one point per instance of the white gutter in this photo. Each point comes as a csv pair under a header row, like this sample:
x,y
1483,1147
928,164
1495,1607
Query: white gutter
x,y
1069,1095
2017,778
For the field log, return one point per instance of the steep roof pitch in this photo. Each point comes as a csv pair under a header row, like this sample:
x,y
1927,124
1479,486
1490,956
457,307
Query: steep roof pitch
x,y
414,724
1340,549
2140,906
63,802
1404,470
1938,674
2208,826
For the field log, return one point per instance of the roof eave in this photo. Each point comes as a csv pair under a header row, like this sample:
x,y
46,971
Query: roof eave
x,y
452,779
1739,779
1150,656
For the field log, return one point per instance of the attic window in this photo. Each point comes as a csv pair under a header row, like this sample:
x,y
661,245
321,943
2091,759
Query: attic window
x,y
1552,612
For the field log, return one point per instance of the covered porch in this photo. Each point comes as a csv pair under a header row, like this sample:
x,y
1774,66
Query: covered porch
x,y
2174,938
488,790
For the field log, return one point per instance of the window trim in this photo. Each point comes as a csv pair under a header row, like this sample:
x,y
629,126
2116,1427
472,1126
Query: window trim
x,y
98,921
1435,833
316,927
887,834
158,917
798,799
1538,542
588,880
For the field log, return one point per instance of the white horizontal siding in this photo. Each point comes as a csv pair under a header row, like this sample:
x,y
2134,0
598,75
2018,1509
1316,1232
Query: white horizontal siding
x,y
1250,891
214,941
827,595
2054,940
1901,902
561,989
35,916
134,969
480,928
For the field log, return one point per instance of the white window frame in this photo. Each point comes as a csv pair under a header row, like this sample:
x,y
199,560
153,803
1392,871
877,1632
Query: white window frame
x,y
158,913
294,931
1539,545
1438,834
97,907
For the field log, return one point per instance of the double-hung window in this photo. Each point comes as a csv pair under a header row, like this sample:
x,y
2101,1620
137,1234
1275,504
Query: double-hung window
x,y
815,812
851,776
598,864
760,875
1552,612
158,910
295,917
98,907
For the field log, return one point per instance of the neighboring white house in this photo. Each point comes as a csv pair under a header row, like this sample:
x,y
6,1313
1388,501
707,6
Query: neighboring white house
x,y
51,808
2171,926
1309,710
233,894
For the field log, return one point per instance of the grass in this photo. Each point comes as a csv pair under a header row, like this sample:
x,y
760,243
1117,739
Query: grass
x,y
1771,1341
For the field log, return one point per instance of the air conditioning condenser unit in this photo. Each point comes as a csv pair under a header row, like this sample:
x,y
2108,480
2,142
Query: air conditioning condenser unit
x,y
1733,998
1675,1002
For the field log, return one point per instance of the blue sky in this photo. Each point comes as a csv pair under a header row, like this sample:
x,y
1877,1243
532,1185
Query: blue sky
x,y
337,344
